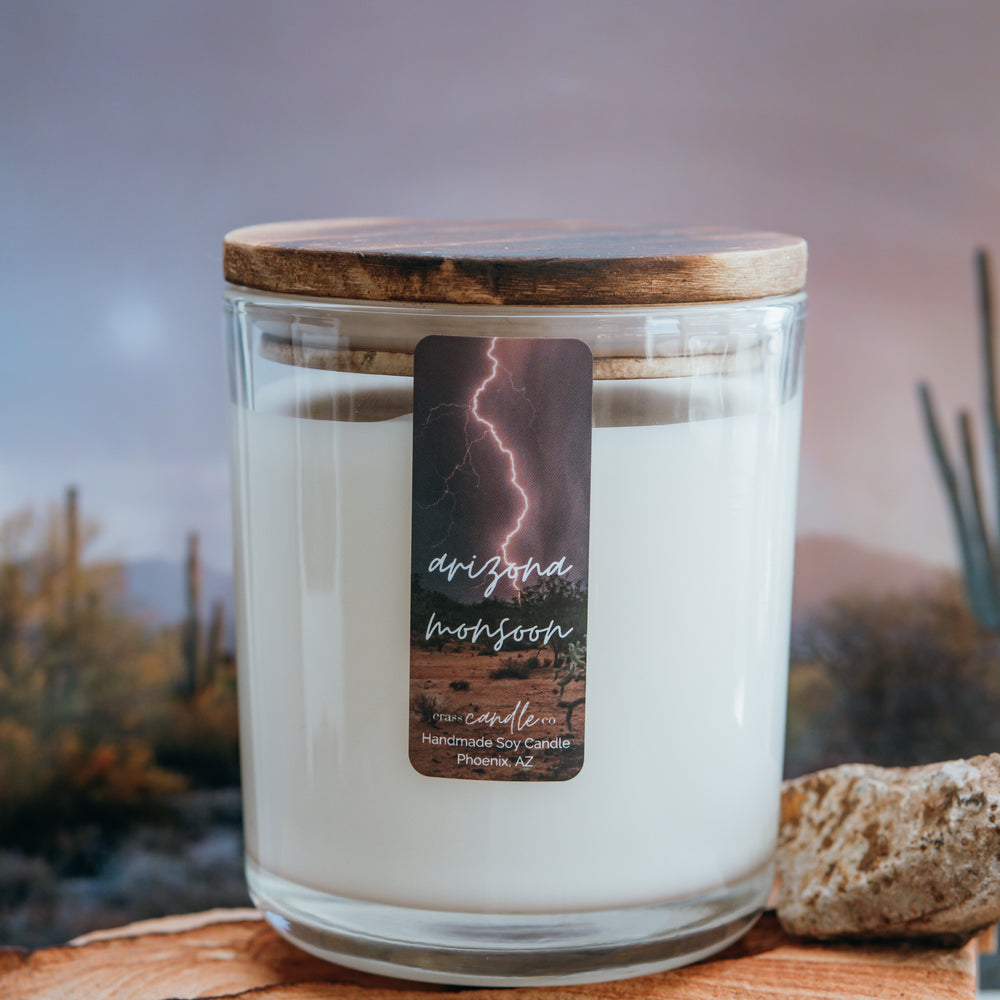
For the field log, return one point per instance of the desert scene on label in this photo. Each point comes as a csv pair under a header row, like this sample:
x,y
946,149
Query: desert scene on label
x,y
498,612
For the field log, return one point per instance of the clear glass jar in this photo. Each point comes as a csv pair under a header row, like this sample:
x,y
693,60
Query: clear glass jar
x,y
656,851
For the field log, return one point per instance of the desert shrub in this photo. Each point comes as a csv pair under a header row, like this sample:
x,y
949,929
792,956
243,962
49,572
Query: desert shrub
x,y
93,735
898,680
100,738
426,706
459,685
199,737
74,794
513,667
571,669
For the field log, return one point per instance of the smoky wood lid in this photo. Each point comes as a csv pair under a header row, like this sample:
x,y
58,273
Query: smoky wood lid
x,y
512,263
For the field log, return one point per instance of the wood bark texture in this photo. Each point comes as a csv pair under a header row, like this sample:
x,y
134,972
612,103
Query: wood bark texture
x,y
226,954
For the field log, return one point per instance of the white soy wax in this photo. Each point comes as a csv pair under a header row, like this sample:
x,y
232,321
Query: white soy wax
x,y
686,675
414,398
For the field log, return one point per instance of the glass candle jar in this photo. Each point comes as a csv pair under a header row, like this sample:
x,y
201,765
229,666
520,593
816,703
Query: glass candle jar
x,y
514,521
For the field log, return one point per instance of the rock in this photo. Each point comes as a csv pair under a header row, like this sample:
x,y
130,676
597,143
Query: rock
x,y
871,852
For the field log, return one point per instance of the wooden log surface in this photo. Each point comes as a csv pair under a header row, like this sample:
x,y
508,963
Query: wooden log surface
x,y
234,953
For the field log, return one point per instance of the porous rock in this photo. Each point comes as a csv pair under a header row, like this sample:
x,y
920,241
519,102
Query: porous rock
x,y
872,852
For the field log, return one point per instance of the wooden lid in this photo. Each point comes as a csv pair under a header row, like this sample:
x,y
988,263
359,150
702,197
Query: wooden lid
x,y
512,263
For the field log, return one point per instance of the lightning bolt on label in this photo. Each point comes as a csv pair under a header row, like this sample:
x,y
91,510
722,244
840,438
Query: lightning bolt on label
x,y
500,534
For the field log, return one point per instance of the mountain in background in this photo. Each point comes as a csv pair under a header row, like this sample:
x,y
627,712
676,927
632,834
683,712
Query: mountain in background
x,y
828,567
155,588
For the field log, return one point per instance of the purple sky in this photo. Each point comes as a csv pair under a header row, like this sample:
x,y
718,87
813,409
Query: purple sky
x,y
526,480
135,134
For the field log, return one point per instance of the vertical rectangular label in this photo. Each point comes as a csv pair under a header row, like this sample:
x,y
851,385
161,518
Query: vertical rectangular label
x,y
500,539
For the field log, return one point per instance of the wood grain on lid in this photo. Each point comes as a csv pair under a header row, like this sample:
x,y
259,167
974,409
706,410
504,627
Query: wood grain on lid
x,y
512,263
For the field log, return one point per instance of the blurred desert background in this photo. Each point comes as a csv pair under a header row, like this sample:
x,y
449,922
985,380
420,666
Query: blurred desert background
x,y
135,134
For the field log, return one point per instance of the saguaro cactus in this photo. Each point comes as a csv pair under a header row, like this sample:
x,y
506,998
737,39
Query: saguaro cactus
x,y
72,560
201,648
978,539
191,641
213,649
